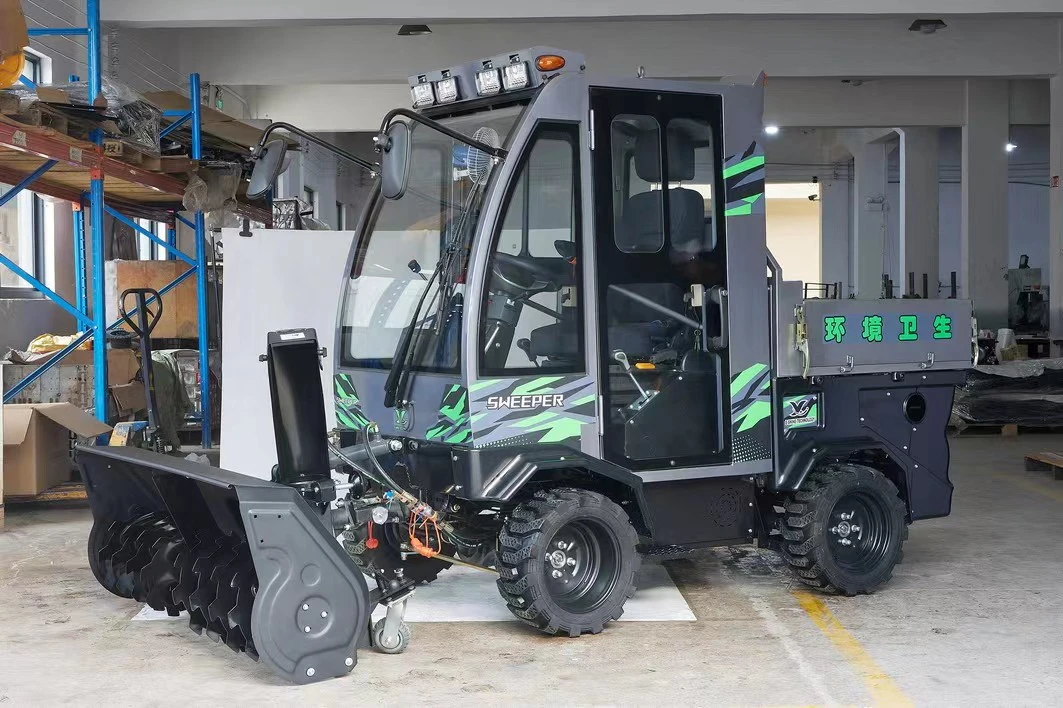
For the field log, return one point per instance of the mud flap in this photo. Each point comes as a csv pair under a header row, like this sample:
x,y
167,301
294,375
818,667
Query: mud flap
x,y
252,564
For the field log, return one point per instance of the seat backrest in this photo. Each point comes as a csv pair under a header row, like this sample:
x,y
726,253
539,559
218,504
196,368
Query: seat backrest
x,y
640,229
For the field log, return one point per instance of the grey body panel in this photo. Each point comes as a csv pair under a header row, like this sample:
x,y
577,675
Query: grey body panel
x,y
890,353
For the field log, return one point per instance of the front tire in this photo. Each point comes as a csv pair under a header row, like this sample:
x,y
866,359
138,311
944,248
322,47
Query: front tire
x,y
844,530
567,561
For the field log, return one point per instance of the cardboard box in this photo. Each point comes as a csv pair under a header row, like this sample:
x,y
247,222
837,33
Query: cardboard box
x,y
13,35
37,445
130,399
179,315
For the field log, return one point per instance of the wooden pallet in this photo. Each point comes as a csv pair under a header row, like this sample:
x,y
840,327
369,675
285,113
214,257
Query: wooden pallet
x,y
65,492
1046,462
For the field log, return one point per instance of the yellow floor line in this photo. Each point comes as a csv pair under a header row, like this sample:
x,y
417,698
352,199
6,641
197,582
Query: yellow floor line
x,y
1056,494
884,691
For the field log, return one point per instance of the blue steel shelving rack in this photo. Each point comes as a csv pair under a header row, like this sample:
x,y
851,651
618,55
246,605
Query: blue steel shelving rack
x,y
94,325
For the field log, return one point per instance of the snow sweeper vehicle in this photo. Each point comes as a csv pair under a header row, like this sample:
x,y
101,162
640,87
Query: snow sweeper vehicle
x,y
563,346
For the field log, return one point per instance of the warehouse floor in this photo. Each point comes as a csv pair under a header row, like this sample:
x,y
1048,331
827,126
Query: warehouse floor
x,y
973,615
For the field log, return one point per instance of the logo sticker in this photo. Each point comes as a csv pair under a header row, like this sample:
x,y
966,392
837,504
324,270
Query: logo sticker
x,y
526,402
404,418
801,411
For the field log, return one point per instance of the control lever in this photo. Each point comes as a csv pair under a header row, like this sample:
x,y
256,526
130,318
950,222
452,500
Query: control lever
x,y
525,346
621,358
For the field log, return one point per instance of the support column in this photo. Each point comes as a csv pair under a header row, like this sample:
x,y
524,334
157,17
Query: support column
x,y
834,201
984,205
1055,216
919,209
869,230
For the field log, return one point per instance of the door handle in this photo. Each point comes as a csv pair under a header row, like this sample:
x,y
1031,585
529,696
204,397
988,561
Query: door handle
x,y
718,296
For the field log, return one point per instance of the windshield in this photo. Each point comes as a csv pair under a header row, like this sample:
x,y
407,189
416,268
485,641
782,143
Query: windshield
x,y
407,240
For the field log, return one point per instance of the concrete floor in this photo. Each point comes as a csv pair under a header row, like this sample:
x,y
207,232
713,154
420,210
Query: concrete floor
x,y
974,615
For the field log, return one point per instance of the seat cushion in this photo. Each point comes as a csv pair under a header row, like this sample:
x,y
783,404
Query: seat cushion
x,y
556,341
637,339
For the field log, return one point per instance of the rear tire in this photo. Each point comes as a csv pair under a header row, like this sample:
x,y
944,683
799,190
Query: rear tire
x,y
567,561
844,530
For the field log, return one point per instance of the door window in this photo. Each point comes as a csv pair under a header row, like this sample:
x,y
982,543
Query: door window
x,y
531,316
662,357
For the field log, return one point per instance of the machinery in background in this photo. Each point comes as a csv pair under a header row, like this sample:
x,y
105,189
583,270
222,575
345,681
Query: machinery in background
x,y
1027,299
553,356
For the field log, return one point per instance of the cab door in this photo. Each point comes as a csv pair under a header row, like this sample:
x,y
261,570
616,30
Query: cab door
x,y
661,251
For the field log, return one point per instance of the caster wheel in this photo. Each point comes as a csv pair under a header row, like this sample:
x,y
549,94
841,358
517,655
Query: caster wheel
x,y
383,646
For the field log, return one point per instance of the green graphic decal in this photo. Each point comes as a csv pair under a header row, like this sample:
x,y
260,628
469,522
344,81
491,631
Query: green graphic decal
x,y
833,329
942,327
909,328
750,401
801,411
531,410
454,424
872,328
744,182
348,407
535,385
744,166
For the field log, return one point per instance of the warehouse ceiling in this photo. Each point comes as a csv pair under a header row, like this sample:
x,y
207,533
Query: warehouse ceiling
x,y
250,12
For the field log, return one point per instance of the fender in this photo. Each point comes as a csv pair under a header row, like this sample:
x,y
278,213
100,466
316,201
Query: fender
x,y
499,474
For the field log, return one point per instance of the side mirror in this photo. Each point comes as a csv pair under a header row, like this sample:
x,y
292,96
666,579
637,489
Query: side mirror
x,y
395,160
269,163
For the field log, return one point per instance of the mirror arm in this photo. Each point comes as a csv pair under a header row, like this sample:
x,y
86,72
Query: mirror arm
x,y
450,133
372,167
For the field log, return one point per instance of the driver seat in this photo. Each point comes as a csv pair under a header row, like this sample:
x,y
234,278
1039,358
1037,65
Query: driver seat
x,y
635,329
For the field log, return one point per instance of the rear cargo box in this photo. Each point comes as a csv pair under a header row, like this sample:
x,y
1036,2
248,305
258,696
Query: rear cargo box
x,y
37,445
872,336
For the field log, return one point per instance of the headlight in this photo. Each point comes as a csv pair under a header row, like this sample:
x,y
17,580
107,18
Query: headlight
x,y
487,83
515,76
447,90
422,95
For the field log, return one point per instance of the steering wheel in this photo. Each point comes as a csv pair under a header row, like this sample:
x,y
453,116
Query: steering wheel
x,y
524,274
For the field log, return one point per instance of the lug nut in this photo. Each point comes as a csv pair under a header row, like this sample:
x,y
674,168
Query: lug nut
x,y
306,607
556,574
324,614
561,545
572,561
307,629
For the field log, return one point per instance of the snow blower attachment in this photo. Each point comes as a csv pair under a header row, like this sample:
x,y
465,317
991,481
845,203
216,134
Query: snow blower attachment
x,y
254,563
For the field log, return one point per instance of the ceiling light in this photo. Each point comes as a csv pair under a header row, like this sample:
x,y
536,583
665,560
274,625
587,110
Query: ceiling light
x,y
927,26
1010,147
414,30
771,130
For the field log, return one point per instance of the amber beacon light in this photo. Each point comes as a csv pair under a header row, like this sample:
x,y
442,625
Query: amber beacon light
x,y
549,62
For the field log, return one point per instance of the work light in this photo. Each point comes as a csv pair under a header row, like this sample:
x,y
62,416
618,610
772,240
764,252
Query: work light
x,y
487,83
422,95
515,76
447,90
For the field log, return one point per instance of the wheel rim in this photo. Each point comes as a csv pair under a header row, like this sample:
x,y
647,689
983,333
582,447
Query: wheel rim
x,y
859,533
582,565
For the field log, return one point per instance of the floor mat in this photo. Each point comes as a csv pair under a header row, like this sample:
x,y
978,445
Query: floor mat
x,y
467,595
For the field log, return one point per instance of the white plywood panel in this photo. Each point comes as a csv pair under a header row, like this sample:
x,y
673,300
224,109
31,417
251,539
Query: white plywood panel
x,y
274,280
467,595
